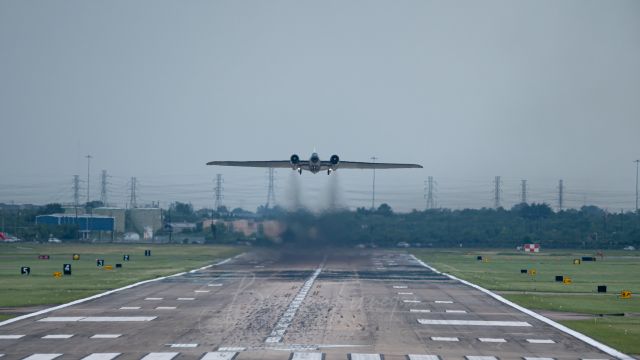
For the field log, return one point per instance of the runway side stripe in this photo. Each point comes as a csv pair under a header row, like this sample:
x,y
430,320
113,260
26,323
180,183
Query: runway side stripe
x,y
101,356
607,349
42,357
306,356
219,355
160,356
97,296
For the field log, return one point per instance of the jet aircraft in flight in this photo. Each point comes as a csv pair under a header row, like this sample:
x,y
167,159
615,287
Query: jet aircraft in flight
x,y
314,164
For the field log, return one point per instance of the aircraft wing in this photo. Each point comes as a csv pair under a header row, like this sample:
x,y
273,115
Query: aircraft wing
x,y
372,165
265,164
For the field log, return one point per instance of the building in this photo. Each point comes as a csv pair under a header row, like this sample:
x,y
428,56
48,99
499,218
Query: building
x,y
119,214
143,219
87,224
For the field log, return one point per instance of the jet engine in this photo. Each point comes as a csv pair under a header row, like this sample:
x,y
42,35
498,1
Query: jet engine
x,y
334,160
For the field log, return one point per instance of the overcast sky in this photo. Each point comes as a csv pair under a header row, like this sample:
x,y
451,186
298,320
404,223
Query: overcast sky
x,y
536,90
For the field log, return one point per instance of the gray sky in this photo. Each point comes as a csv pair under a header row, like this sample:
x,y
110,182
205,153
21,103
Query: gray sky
x,y
537,90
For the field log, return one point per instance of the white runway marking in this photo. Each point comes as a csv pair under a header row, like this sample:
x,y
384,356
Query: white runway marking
x,y
231,348
471,357
98,318
11,337
42,357
183,345
166,308
444,338
492,340
130,308
423,357
456,311
58,336
538,358
444,302
419,310
160,356
202,291
101,356
400,287
306,356
186,299
365,356
405,293
153,299
105,336
219,355
540,341
411,301
216,285
472,322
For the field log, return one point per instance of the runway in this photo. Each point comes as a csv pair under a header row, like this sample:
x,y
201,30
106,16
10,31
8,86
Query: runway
x,y
313,304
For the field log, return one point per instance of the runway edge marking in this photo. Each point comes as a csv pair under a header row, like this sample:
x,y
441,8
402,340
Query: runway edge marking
x,y
97,296
602,347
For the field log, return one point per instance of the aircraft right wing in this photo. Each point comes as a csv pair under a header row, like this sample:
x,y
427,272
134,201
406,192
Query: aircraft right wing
x,y
372,165
265,164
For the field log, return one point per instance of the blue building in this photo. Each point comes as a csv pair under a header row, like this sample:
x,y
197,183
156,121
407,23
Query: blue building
x,y
85,222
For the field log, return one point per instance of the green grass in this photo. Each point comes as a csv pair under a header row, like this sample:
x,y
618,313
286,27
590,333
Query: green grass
x,y
618,270
42,288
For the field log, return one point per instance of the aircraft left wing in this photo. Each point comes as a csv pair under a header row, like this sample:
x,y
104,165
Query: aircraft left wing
x,y
372,165
266,164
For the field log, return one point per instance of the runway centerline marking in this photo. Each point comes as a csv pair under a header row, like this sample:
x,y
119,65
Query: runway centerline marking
x,y
160,356
456,311
101,356
405,293
42,357
130,308
166,308
443,302
492,340
285,320
219,355
185,299
58,336
202,291
411,301
183,345
11,337
400,287
419,310
153,299
473,322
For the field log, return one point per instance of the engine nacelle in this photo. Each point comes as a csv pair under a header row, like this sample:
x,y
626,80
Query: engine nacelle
x,y
294,160
334,160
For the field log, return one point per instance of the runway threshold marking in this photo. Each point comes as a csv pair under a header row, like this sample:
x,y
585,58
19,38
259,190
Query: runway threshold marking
x,y
11,337
423,357
42,357
473,322
98,318
306,356
219,355
58,336
101,356
160,356
353,356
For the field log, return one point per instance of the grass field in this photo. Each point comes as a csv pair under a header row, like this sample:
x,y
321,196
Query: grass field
x,y
619,270
42,288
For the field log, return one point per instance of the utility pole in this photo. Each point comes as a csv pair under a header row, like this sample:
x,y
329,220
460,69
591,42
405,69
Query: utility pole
x,y
497,192
373,190
271,195
429,192
103,188
218,191
560,195
88,174
523,198
133,202
637,161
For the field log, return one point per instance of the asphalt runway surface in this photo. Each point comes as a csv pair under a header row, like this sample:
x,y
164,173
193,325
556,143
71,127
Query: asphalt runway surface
x,y
313,304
